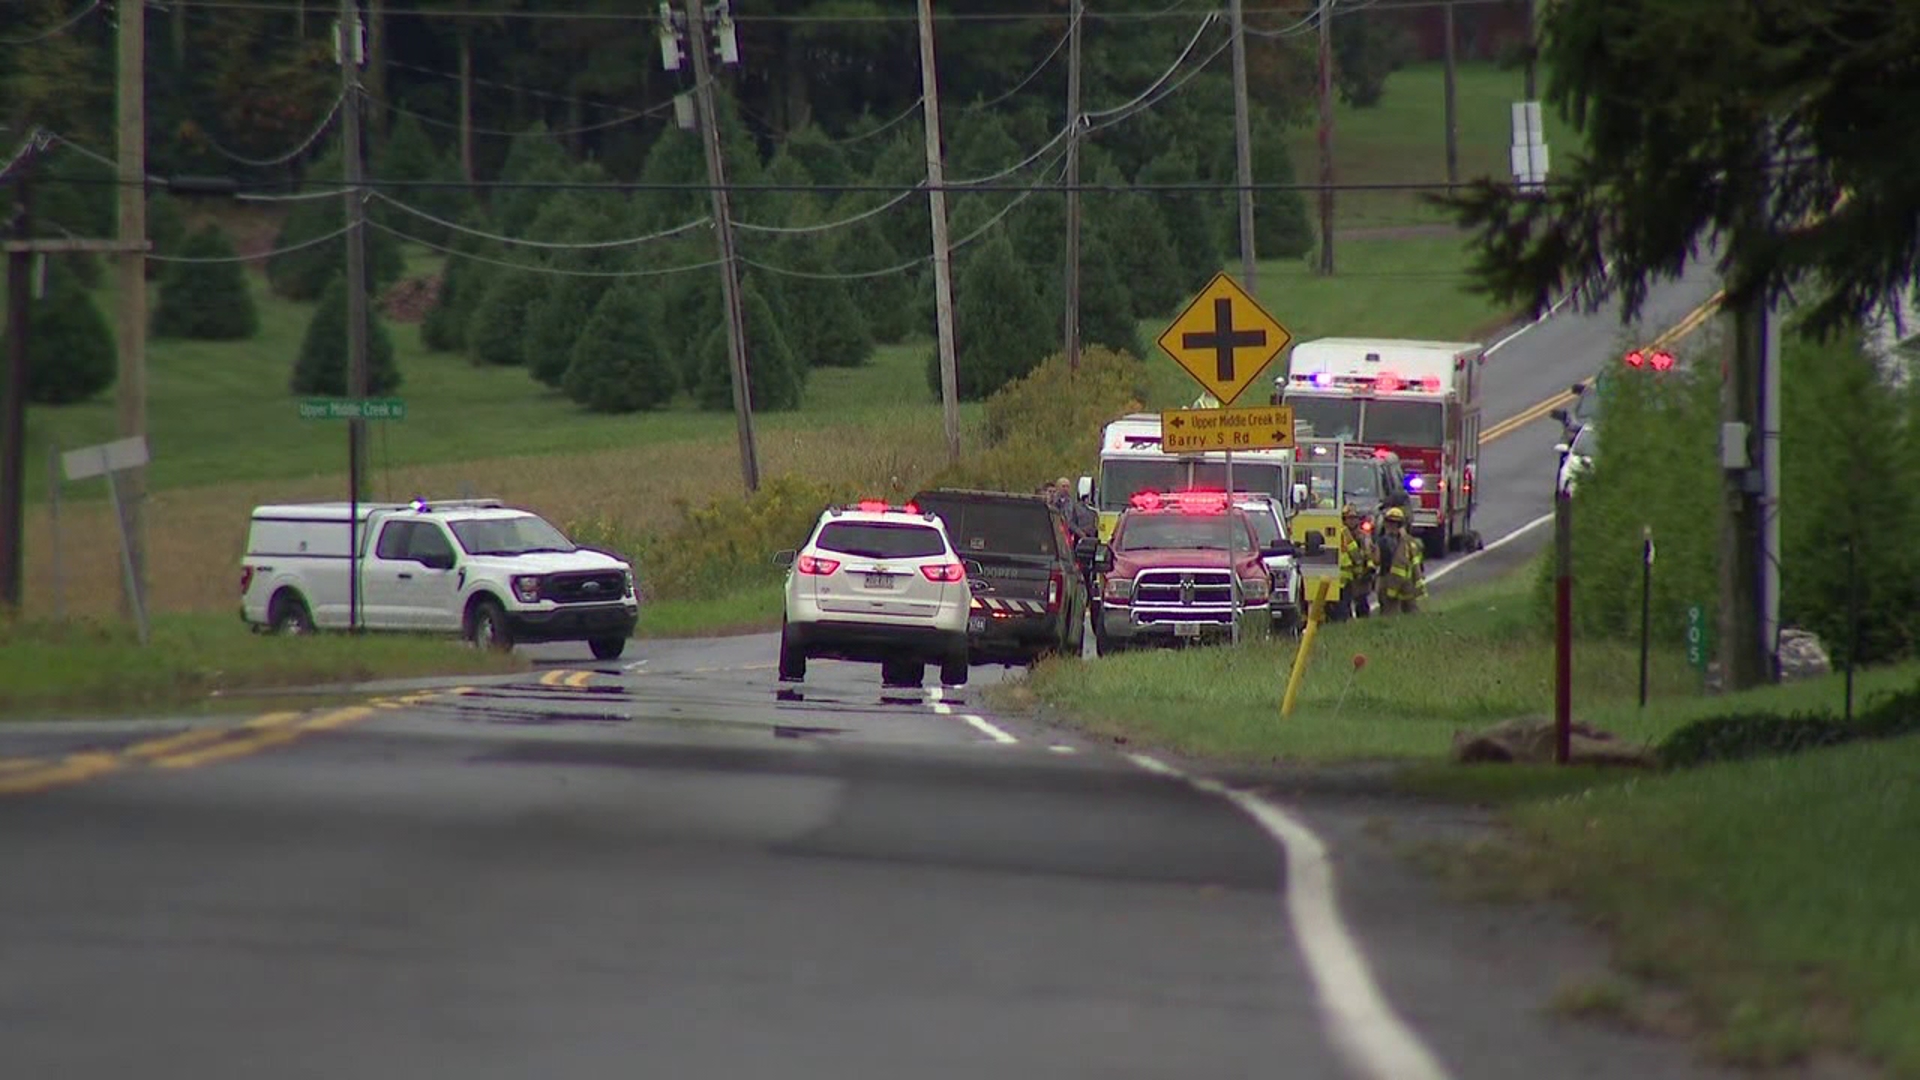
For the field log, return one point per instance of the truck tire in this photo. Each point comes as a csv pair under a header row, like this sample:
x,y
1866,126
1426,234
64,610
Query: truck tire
x,y
607,648
288,614
953,670
487,626
793,659
903,673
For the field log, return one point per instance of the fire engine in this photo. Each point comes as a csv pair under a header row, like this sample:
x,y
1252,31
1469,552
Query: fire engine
x,y
1418,399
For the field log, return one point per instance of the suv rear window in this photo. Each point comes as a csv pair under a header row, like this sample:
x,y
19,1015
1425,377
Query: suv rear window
x,y
1009,528
874,540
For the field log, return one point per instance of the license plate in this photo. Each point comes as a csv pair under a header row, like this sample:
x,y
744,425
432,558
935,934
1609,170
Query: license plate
x,y
879,581
976,624
1186,629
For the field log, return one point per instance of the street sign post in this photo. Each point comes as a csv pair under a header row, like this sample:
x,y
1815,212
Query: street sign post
x,y
1224,339
353,409
106,459
1245,427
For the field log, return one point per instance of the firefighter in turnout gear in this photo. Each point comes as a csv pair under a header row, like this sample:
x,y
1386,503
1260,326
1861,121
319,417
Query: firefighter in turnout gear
x,y
1403,580
1357,566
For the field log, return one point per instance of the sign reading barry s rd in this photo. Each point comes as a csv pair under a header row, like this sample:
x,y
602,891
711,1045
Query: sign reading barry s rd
x,y
1249,427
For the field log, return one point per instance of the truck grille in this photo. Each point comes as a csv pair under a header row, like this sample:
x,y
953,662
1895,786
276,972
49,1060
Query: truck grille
x,y
1183,596
585,587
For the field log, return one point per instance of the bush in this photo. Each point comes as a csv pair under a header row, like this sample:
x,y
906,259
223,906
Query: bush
x,y
70,349
618,365
1749,735
1046,423
322,365
206,301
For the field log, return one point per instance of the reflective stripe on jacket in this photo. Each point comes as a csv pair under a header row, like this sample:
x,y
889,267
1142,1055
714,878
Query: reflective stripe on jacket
x,y
1402,573
1356,557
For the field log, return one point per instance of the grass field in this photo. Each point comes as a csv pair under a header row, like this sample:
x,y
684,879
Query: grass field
x,y
1404,140
1472,659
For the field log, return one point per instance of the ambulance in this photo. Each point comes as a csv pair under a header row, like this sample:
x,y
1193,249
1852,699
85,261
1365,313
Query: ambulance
x,y
1419,400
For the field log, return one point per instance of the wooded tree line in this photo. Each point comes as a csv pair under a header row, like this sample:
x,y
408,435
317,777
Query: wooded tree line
x,y
541,279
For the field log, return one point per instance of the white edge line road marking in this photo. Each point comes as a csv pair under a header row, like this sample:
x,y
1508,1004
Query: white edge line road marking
x,y
1496,545
978,723
1362,1025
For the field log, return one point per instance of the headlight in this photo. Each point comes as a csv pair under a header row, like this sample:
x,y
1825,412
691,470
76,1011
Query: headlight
x,y
527,588
626,577
1254,589
1117,588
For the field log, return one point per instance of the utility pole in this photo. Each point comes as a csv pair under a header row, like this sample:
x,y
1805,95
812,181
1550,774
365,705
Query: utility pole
x,y
1070,336
723,228
1533,46
1453,115
942,257
1326,136
131,287
13,435
1243,145
351,153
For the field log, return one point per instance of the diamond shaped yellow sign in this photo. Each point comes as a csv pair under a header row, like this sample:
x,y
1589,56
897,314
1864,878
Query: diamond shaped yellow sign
x,y
1224,339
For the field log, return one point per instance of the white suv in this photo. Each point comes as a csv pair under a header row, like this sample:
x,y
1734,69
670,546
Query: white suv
x,y
876,584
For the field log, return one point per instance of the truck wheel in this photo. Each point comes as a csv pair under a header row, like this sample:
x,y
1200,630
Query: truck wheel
x,y
793,659
903,673
289,615
953,670
607,648
1436,542
487,626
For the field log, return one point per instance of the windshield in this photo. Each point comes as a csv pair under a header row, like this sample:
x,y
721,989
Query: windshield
x,y
1264,478
1360,481
1148,532
1120,481
998,527
1406,423
1587,443
1266,529
1331,417
877,540
518,535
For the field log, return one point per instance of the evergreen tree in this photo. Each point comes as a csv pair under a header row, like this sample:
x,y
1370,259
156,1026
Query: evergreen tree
x,y
823,159
774,378
691,306
208,301
1189,220
557,313
304,271
409,154
500,317
824,324
70,349
1142,252
536,158
464,278
1280,224
675,158
1106,306
618,365
321,367
999,325
887,299
556,323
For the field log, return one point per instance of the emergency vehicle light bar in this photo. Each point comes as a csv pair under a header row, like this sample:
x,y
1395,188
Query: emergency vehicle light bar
x,y
1385,383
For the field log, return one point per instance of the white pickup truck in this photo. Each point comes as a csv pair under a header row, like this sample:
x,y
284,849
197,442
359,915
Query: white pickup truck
x,y
492,574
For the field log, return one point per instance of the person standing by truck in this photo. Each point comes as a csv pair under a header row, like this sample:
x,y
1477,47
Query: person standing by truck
x,y
1403,579
1357,566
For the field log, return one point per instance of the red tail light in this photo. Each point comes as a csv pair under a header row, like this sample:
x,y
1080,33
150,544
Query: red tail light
x,y
813,564
951,573
246,579
1055,582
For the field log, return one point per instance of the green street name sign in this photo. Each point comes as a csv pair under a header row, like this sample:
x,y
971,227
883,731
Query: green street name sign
x,y
1699,638
353,409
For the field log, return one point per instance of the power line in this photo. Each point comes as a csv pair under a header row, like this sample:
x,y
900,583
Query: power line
x,y
531,269
651,19
56,29
546,245
798,230
302,147
626,117
1035,73
256,256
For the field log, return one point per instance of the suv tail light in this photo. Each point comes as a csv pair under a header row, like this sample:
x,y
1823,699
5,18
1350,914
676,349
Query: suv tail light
x,y
1055,582
814,564
246,579
952,573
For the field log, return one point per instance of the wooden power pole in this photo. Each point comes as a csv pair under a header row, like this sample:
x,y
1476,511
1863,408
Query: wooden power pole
x,y
942,257
1071,333
1451,93
1243,145
1326,136
13,396
131,284
723,228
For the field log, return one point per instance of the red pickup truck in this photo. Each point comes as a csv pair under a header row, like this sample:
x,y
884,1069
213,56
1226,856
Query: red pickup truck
x,y
1166,577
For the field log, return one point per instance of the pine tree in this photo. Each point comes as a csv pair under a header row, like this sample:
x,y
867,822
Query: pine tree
x,y
536,157
999,325
691,306
464,279
208,301
824,324
618,365
557,313
774,378
1281,229
321,367
70,349
1136,240
308,263
1106,307
824,160
556,324
409,154
1189,221
674,158
500,318
887,299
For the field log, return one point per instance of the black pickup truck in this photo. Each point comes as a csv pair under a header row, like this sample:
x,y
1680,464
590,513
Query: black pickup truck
x,y
1029,585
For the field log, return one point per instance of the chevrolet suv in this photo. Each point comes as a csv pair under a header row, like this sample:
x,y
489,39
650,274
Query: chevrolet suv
x,y
876,584
1029,590
1167,578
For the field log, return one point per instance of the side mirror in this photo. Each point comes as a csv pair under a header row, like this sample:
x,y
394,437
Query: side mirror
x,y
1561,415
1085,548
1103,559
1561,448
1277,549
1316,543
1085,488
785,558
440,560
973,568
1299,494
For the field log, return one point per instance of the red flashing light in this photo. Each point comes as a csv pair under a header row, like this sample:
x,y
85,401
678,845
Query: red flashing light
x,y
1386,383
912,508
1382,453
815,565
1636,359
950,573
246,579
1662,360
1144,500
871,506
1431,384
1366,526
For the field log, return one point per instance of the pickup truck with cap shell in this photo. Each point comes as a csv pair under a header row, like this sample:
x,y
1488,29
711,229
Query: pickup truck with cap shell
x,y
1029,584
474,567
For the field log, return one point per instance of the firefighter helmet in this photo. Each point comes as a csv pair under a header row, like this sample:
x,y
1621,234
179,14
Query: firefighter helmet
x,y
1396,514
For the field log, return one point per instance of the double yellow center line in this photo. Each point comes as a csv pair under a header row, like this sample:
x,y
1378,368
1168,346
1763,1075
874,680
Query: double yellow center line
x,y
562,677
192,749
1526,416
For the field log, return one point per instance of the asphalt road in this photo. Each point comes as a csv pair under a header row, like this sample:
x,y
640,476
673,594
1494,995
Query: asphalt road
x,y
673,866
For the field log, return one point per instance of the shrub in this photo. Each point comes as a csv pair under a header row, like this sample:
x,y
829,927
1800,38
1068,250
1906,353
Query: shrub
x,y
322,365
1749,735
70,349
618,364
1046,423
207,301
774,378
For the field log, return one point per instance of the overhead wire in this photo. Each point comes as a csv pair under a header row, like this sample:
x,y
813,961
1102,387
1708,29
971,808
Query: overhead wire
x,y
1079,14
1206,23
544,245
624,118
639,15
256,256
799,230
58,28
511,265
300,148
